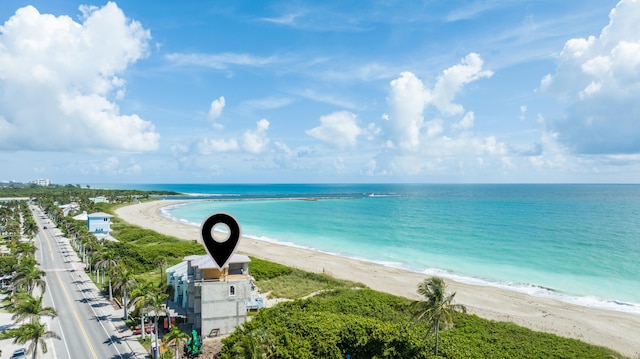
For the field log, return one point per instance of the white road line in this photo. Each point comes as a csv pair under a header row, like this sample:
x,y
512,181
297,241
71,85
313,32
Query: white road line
x,y
64,340
98,318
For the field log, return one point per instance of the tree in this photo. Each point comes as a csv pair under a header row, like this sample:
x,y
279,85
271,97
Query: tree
x,y
175,337
29,228
257,343
36,333
107,262
138,295
124,280
161,262
25,249
438,306
28,307
154,302
29,277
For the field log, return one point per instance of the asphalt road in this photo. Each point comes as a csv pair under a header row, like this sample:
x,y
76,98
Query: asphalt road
x,y
89,327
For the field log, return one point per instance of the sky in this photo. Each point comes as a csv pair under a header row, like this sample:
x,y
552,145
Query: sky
x,y
424,91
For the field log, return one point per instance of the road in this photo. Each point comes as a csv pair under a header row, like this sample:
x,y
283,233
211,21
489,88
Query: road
x,y
89,327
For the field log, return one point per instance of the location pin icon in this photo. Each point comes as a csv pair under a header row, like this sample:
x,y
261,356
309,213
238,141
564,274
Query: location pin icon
x,y
219,248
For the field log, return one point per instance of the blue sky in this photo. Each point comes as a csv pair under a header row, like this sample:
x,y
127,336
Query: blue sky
x,y
308,91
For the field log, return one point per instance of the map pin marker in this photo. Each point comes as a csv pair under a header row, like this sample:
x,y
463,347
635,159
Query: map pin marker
x,y
220,249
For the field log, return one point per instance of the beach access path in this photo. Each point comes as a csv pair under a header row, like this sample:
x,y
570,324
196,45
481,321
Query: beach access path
x,y
616,330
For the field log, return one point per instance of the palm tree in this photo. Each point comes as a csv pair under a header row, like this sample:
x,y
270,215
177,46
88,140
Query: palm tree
x,y
29,307
124,280
257,343
161,262
107,262
138,295
25,249
36,333
154,301
29,228
175,337
30,277
438,306
12,228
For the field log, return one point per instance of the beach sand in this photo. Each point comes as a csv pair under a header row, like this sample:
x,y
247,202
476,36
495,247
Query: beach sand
x,y
616,330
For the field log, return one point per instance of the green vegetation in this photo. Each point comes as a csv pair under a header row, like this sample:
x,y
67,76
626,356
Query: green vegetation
x,y
69,192
139,249
25,298
265,270
438,308
298,284
341,317
369,324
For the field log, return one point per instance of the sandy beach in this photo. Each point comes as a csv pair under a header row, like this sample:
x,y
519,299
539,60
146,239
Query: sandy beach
x,y
616,330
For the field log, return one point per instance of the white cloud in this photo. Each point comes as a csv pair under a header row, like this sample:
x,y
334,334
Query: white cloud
x,y
215,111
407,100
466,123
268,103
338,101
453,79
434,127
285,19
553,155
444,144
405,125
207,146
523,112
220,61
253,141
216,108
110,166
59,79
599,79
339,129
256,140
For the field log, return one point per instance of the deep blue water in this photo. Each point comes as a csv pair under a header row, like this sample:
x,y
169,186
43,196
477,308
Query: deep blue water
x,y
578,243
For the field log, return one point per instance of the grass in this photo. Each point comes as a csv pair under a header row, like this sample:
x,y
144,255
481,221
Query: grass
x,y
471,337
298,284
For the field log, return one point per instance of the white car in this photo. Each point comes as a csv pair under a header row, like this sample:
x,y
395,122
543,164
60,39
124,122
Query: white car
x,y
19,354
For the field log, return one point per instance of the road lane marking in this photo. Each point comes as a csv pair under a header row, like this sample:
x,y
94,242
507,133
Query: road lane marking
x,y
53,303
48,245
77,317
66,294
64,340
84,333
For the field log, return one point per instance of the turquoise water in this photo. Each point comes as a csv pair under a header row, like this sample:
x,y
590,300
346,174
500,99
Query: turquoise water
x,y
577,243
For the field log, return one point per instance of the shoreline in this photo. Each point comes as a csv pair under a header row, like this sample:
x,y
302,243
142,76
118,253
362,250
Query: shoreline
x,y
612,329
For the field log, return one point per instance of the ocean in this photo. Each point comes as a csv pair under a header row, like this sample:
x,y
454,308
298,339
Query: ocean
x,y
576,243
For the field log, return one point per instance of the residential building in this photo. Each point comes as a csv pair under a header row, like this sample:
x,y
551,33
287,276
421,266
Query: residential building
x,y
215,301
99,224
99,199
69,208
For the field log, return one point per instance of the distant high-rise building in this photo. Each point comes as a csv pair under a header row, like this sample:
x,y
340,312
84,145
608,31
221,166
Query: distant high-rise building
x,y
44,182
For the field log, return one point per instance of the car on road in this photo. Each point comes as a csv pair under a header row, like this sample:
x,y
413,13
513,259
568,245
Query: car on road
x,y
45,227
19,354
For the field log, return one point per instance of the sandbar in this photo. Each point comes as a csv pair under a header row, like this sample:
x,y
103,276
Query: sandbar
x,y
616,330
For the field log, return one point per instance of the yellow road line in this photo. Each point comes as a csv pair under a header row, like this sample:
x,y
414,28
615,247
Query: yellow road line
x,y
48,244
75,314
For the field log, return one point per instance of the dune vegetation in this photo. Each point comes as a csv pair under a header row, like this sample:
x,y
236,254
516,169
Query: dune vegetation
x,y
325,317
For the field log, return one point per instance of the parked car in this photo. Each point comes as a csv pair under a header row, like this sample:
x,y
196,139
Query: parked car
x,y
19,354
